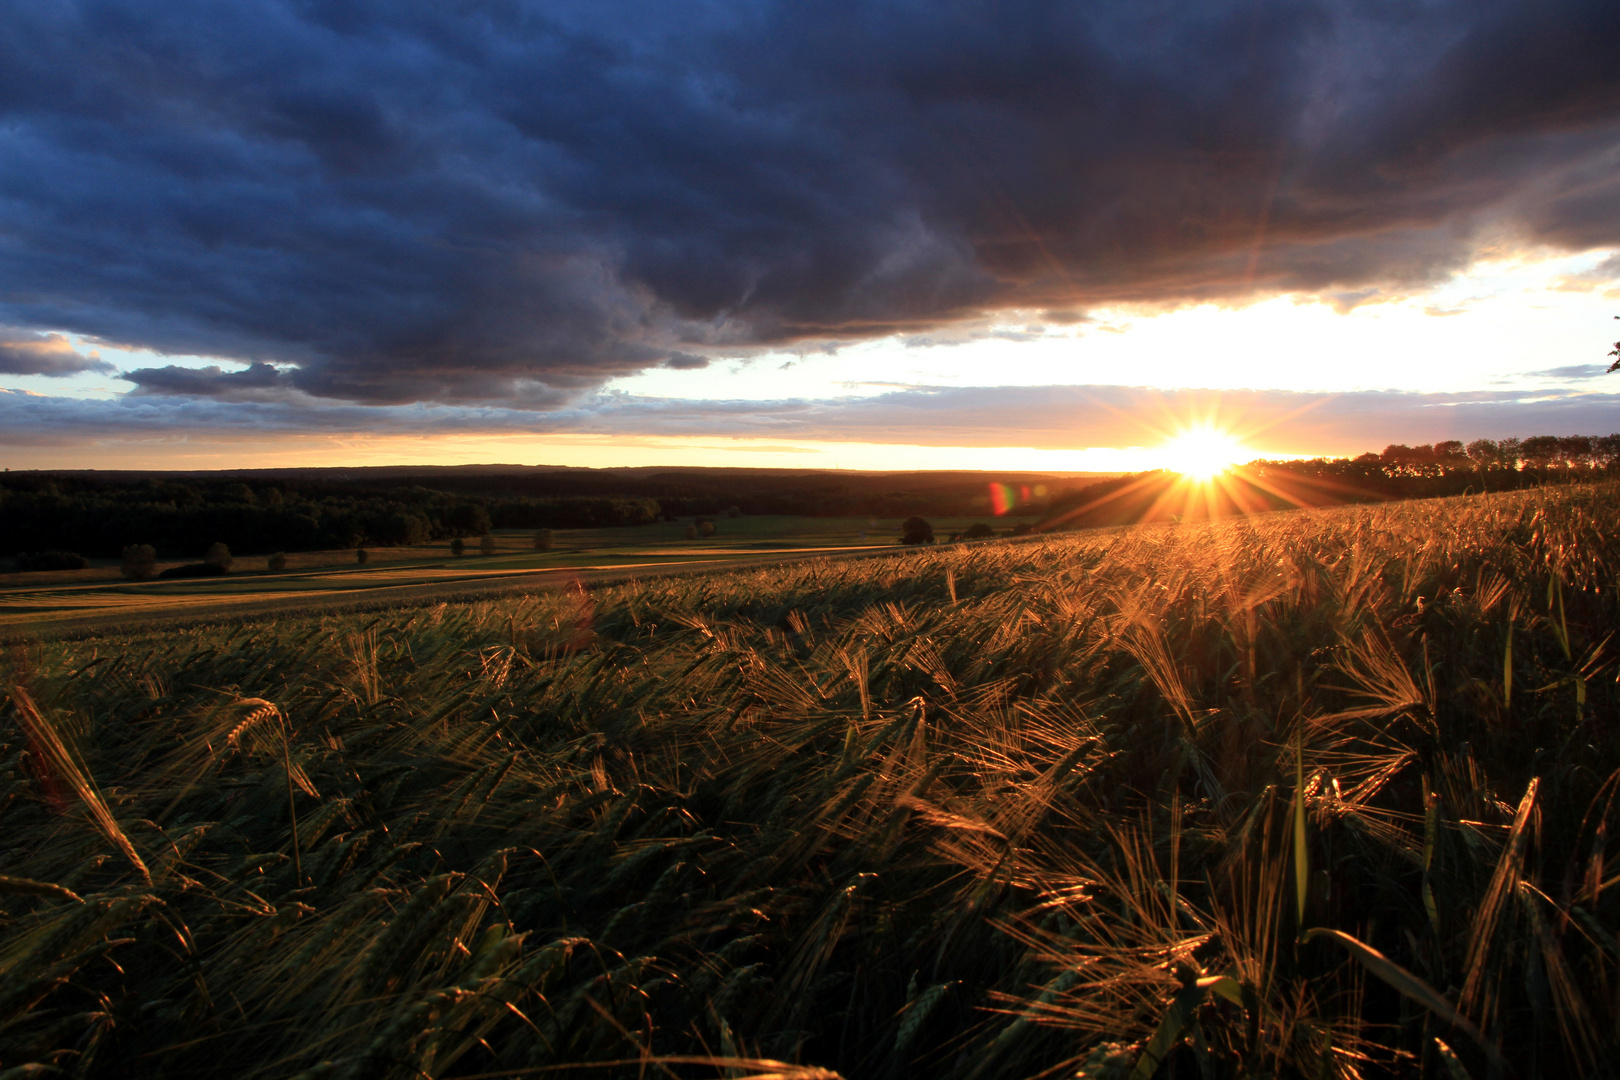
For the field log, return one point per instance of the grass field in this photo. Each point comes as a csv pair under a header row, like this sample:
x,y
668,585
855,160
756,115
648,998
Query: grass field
x,y
1321,794
55,602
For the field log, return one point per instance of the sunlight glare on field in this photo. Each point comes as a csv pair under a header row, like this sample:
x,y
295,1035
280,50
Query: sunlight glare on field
x,y
1202,453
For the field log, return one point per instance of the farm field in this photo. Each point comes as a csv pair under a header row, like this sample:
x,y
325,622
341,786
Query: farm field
x,y
75,601
1316,794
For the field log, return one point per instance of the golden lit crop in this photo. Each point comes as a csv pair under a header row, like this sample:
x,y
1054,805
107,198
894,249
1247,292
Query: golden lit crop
x,y
1319,793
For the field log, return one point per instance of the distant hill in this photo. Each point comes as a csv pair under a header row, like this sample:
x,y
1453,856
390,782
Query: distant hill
x,y
680,491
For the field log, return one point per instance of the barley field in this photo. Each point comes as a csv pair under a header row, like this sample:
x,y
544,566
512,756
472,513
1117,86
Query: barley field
x,y
1316,794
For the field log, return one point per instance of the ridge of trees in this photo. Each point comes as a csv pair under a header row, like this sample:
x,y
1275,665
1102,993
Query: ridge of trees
x,y
1450,468
1398,472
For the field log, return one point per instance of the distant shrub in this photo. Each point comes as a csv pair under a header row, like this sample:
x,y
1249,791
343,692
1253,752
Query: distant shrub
x,y
140,562
277,562
706,528
543,540
916,530
691,532
196,569
486,544
362,556
51,560
1023,529
978,531
458,546
218,555
733,512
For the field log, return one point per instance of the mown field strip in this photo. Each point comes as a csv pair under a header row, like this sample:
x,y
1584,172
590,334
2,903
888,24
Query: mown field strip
x,y
107,608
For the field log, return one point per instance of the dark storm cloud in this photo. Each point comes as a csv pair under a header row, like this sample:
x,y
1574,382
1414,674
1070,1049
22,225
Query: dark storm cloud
x,y
209,381
413,202
686,362
1043,417
51,355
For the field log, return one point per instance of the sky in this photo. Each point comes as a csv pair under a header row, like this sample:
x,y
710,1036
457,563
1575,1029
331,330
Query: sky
x,y
1010,235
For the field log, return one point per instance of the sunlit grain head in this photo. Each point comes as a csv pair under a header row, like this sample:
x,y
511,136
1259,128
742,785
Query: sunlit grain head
x,y
1202,453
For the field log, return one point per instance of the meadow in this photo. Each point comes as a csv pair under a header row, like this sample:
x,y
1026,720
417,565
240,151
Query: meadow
x,y
98,598
1312,794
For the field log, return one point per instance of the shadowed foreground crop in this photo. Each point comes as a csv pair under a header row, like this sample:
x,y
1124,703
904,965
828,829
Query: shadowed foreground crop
x,y
1317,794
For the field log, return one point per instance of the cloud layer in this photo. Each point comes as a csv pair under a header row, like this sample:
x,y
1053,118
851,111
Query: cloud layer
x,y
396,202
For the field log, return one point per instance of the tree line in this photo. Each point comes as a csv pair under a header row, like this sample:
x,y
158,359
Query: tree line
x,y
1453,467
1399,472
41,513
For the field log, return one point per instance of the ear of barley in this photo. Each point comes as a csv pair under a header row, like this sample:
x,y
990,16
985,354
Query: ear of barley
x,y
63,763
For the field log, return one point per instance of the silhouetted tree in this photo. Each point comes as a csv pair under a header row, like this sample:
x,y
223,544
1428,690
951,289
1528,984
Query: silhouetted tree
x,y
140,562
1608,450
486,545
218,555
706,529
916,530
1485,454
1541,451
691,532
277,562
362,556
978,531
543,540
458,546
1451,457
1576,451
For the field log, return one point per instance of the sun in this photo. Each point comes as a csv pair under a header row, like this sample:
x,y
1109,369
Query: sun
x,y
1201,453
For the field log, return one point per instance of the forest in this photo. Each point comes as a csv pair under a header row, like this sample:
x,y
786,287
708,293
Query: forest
x,y
180,518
